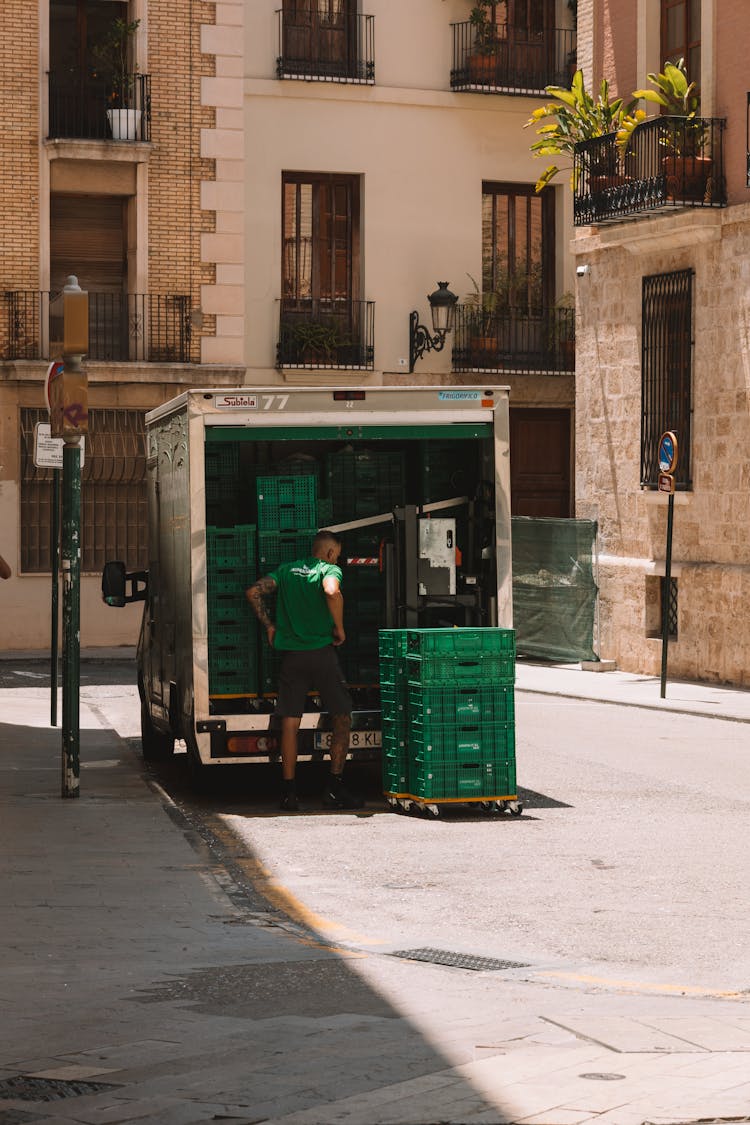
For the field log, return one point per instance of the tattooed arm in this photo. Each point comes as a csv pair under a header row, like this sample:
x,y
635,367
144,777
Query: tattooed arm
x,y
258,596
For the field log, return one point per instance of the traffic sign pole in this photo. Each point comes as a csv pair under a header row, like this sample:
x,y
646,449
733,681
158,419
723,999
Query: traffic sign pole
x,y
666,596
668,452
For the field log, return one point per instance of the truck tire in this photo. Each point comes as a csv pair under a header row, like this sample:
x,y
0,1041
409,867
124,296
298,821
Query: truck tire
x,y
155,744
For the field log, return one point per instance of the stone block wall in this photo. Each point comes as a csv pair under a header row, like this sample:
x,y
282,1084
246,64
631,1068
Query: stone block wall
x,y
711,549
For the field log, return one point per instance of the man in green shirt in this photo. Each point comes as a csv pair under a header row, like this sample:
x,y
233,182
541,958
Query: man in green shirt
x,y
309,626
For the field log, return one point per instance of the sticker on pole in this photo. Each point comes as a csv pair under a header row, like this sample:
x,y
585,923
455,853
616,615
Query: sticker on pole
x,y
665,483
48,451
668,452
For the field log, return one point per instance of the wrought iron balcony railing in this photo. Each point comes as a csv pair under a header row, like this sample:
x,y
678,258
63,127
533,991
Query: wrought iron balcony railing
x,y
318,48
511,60
539,341
86,107
668,162
132,327
326,333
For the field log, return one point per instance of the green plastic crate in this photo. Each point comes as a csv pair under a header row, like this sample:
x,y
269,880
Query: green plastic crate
x,y
478,743
393,703
392,642
275,547
395,774
287,503
233,580
434,668
442,705
463,780
460,642
231,547
228,607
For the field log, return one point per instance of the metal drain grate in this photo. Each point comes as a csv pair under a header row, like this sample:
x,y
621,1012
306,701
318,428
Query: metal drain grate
x,y
459,960
26,1089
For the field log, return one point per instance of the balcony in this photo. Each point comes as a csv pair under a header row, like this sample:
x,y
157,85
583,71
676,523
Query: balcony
x,y
318,49
326,334
82,107
670,162
130,328
514,61
539,342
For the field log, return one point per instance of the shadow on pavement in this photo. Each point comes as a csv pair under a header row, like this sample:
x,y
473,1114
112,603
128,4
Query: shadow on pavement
x,y
126,961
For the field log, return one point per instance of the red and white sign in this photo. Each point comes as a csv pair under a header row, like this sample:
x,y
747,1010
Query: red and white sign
x,y
54,370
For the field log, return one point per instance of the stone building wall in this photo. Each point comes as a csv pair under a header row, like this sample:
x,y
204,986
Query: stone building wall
x,y
711,550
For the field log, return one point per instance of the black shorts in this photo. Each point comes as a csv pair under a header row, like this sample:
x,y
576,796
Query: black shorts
x,y
315,669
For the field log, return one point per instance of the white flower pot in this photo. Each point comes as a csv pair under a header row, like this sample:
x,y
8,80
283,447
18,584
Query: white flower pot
x,y
124,124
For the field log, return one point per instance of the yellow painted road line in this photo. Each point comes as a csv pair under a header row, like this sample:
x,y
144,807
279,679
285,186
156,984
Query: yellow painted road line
x,y
643,986
282,898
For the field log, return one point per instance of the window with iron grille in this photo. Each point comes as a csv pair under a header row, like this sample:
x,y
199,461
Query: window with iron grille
x,y
666,371
669,606
114,522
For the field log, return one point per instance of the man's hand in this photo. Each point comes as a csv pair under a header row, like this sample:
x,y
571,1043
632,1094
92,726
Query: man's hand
x,y
270,633
339,636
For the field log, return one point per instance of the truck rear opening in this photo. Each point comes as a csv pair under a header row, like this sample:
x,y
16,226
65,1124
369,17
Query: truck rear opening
x,y
416,484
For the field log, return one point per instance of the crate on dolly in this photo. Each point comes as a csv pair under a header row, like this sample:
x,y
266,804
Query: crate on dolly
x,y
460,719
394,706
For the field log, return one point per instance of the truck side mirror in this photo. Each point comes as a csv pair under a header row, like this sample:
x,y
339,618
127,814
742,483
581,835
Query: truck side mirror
x,y
114,584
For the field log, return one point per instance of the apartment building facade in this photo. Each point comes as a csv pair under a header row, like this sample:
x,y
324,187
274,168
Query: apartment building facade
x,y
301,176
109,174
663,295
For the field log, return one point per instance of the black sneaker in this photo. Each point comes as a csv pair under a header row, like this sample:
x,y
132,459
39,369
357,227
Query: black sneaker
x,y
289,803
337,796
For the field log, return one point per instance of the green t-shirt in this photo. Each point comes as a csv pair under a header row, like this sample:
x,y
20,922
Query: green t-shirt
x,y
303,620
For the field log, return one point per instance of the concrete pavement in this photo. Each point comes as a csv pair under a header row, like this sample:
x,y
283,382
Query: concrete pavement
x,y
142,980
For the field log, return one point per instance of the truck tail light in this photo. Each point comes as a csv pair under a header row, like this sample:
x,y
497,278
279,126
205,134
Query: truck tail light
x,y
250,744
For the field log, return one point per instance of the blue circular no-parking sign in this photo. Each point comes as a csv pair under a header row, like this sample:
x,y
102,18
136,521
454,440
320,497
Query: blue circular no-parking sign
x,y
668,451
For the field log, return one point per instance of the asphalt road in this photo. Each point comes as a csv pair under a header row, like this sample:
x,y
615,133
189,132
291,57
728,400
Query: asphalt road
x,y
630,860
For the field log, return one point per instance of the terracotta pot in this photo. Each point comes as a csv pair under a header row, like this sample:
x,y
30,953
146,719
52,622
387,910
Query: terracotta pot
x,y
484,351
687,177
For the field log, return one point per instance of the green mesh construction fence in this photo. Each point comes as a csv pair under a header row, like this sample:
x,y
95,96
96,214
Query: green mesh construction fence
x,y
554,587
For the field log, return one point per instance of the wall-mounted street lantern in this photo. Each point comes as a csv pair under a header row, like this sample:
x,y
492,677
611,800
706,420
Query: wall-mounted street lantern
x,y
443,308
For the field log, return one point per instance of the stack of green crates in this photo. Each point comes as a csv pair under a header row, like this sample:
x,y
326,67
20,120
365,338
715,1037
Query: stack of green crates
x,y
458,686
363,589
222,469
394,701
365,482
232,635
287,525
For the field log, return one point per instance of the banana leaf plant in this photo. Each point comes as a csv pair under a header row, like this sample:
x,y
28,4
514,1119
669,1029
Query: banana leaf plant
x,y
575,116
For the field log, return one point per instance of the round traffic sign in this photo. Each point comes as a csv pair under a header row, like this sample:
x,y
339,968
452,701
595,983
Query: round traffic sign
x,y
668,451
55,368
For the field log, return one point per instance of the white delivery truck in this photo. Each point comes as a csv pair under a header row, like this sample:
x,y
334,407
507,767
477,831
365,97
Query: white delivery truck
x,y
416,481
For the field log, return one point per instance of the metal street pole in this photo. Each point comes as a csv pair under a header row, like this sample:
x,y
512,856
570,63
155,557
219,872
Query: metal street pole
x,y
55,556
71,600
666,597
68,400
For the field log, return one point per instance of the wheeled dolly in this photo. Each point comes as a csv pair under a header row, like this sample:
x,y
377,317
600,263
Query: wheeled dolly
x,y
430,807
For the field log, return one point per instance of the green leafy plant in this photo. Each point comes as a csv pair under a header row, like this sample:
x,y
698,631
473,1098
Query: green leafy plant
x,y
316,339
482,20
113,60
678,97
575,116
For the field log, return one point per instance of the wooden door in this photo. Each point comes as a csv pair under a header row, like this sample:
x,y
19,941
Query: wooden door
x,y
540,478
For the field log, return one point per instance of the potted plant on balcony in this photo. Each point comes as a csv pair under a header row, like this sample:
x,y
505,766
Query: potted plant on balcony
x,y
686,169
483,58
114,62
574,117
314,342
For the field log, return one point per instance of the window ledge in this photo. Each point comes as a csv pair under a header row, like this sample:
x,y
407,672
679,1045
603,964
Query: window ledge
x,y
121,152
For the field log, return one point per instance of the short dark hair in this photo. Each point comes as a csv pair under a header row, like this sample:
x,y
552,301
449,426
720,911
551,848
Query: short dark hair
x,y
324,537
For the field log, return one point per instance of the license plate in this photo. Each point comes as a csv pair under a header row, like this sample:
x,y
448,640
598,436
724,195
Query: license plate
x,y
358,740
